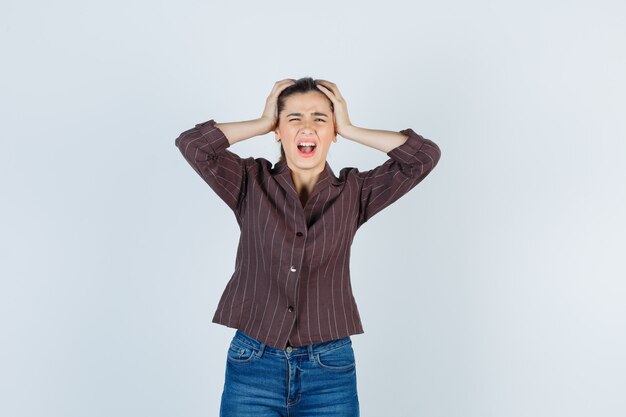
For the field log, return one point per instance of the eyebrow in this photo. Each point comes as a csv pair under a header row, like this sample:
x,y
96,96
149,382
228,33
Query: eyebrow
x,y
314,114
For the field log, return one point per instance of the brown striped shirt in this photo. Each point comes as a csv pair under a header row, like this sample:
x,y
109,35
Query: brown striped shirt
x,y
292,272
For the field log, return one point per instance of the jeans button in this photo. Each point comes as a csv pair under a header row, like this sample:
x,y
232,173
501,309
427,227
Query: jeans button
x,y
289,349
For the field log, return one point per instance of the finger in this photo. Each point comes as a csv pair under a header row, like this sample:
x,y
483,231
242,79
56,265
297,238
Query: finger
x,y
331,87
328,93
323,88
285,85
328,84
334,96
281,85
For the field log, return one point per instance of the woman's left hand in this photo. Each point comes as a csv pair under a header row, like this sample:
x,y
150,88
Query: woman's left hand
x,y
342,121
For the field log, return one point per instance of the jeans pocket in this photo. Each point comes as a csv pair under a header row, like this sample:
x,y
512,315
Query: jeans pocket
x,y
240,353
339,359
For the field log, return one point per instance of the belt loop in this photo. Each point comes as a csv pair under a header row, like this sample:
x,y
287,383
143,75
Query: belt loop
x,y
261,350
310,350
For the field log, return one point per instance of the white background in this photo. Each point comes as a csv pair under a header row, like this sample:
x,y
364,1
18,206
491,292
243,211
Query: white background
x,y
495,288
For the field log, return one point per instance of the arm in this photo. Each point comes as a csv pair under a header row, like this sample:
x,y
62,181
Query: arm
x,y
411,158
408,164
383,140
237,131
204,147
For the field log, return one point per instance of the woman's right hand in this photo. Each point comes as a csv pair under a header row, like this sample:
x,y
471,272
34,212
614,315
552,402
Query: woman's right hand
x,y
270,113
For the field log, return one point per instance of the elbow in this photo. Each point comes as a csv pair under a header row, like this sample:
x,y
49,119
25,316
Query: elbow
x,y
433,151
179,140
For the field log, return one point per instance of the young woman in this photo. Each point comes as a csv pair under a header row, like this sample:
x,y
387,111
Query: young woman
x,y
290,296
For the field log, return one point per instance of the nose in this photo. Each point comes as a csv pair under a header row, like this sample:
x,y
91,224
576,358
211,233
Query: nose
x,y
306,132
307,127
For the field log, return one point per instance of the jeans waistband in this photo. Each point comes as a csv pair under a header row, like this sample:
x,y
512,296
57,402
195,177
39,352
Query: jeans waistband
x,y
294,351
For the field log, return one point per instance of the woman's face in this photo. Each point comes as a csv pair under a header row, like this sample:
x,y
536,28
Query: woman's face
x,y
306,118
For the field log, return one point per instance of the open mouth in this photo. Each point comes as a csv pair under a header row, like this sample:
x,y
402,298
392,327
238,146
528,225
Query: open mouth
x,y
306,149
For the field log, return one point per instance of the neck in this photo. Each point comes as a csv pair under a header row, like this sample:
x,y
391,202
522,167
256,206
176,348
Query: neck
x,y
305,179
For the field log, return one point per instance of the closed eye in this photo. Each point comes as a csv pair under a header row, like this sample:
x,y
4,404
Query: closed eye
x,y
315,119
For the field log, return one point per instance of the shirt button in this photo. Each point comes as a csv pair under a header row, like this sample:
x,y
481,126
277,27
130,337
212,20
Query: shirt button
x,y
293,269
299,234
290,308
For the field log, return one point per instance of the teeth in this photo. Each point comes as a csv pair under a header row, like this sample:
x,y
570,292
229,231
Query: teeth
x,y
306,144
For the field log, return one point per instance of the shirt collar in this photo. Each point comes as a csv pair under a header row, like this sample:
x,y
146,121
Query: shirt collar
x,y
327,176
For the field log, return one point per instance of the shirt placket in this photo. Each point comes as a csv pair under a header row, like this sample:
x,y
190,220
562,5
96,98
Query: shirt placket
x,y
295,268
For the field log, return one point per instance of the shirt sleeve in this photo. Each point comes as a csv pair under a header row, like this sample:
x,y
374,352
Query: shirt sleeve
x,y
204,147
407,166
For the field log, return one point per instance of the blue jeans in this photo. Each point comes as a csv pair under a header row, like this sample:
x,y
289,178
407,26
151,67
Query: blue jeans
x,y
312,380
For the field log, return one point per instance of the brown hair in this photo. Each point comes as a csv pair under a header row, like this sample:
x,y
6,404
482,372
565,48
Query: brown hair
x,y
302,85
